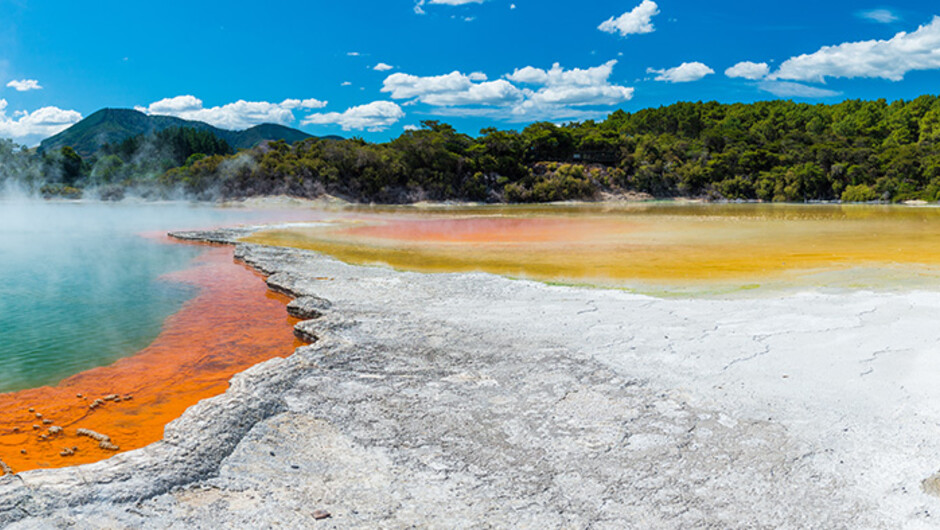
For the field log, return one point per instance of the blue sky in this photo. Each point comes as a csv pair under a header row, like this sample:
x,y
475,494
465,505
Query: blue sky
x,y
375,68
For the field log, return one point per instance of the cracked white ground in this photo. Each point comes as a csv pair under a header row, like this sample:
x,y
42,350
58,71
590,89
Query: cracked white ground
x,y
467,400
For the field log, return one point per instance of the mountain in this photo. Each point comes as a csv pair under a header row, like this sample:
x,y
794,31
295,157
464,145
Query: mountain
x,y
115,125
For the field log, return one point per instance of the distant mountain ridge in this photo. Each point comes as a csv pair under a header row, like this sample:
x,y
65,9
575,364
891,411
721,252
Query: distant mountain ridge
x,y
115,125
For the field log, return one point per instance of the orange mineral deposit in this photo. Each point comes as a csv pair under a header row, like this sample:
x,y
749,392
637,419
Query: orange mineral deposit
x,y
233,323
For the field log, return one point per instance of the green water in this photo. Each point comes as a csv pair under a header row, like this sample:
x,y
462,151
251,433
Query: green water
x,y
80,288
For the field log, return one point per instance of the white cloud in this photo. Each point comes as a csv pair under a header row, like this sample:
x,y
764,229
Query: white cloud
x,y
558,76
411,128
353,54
33,126
575,87
887,59
683,73
376,116
497,92
453,89
419,9
238,115
526,93
382,67
529,75
303,104
787,89
406,86
635,22
882,16
748,70
22,85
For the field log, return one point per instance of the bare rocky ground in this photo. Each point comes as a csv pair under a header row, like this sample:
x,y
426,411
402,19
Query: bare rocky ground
x,y
459,401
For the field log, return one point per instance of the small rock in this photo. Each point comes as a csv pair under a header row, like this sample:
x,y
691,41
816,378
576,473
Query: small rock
x,y
304,335
319,515
931,486
308,307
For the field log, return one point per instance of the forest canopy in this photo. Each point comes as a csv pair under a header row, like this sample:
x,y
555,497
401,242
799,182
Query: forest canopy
x,y
770,151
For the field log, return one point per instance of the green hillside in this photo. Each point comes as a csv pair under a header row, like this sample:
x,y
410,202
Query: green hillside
x,y
112,126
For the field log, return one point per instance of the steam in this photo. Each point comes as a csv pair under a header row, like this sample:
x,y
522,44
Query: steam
x,y
80,287
105,176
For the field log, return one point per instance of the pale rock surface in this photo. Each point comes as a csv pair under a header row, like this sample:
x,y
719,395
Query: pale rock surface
x,y
469,400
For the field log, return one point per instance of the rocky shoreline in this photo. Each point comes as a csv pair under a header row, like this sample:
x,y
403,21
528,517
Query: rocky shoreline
x,y
469,400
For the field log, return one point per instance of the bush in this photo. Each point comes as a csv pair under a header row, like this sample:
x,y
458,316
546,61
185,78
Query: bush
x,y
859,193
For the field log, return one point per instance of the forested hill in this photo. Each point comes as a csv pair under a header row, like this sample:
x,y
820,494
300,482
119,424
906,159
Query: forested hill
x,y
771,151
113,126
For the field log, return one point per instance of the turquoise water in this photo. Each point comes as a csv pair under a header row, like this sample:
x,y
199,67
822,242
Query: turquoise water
x,y
80,288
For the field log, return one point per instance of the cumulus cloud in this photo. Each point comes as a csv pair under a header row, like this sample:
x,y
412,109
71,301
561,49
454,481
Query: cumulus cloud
x,y
382,67
558,76
683,73
788,89
587,86
887,59
29,127
23,85
526,93
486,93
238,115
374,117
453,89
419,4
882,16
748,70
310,103
634,22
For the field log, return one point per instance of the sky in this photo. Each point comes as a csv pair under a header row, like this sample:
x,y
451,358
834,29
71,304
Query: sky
x,y
374,69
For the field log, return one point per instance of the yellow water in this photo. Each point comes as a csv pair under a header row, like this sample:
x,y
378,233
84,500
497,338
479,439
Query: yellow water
x,y
659,247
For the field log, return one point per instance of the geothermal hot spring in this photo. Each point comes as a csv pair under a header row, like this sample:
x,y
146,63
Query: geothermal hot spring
x,y
95,302
664,249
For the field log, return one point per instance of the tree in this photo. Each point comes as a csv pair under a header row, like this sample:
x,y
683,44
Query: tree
x,y
70,165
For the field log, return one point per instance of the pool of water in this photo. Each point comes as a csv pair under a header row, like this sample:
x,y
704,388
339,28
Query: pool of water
x,y
83,284
656,248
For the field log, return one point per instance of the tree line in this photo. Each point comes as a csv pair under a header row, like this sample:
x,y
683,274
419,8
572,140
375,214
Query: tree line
x,y
770,151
